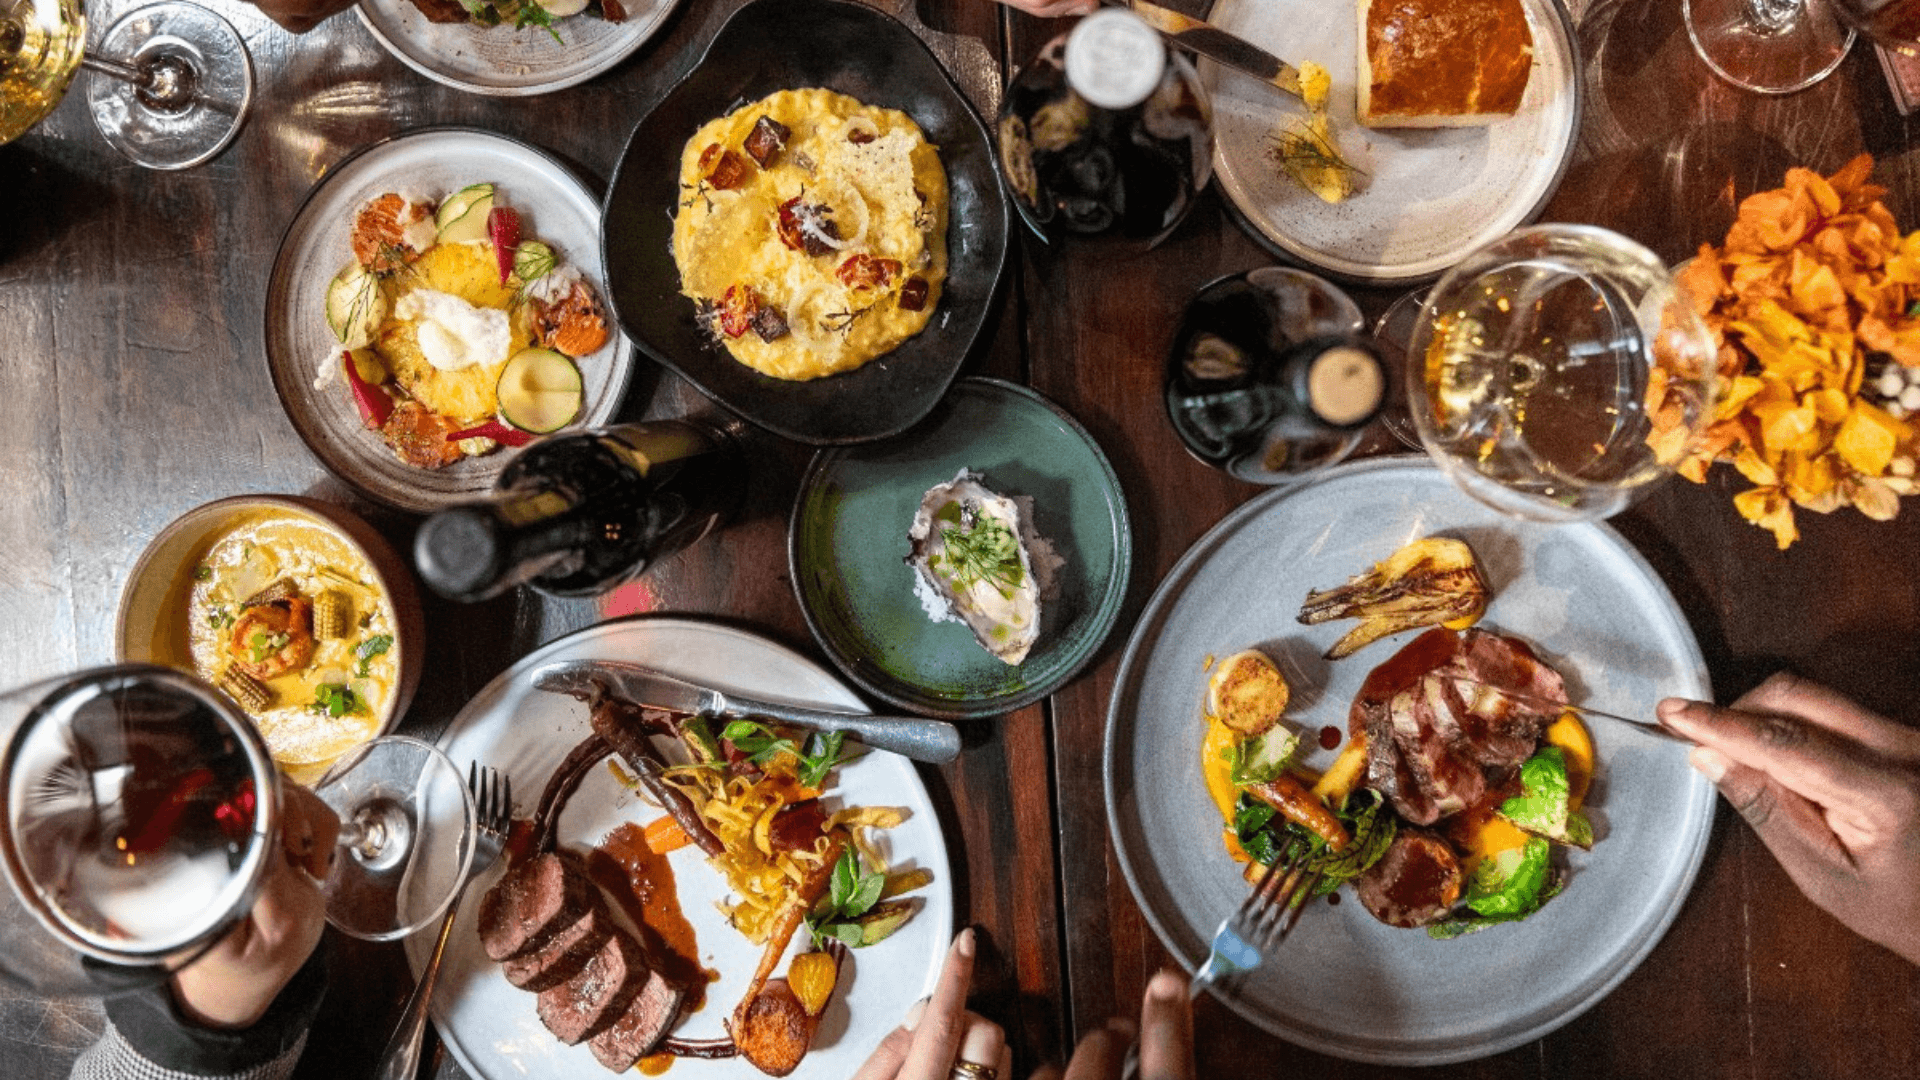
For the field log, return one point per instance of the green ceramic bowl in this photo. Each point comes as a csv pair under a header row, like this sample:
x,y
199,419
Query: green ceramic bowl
x,y
847,551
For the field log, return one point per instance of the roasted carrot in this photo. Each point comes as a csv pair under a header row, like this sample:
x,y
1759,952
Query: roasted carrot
x,y
1302,807
666,835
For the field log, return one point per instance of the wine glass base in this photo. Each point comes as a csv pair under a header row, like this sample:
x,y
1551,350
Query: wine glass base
x,y
406,839
176,43
1767,46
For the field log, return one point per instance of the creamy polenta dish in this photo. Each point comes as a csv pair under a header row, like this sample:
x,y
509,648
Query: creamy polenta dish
x,y
290,620
811,231
455,333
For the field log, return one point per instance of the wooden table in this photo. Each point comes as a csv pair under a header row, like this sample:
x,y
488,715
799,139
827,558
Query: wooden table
x,y
133,387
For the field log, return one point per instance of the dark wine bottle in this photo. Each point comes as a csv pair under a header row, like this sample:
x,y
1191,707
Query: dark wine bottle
x,y
1107,131
577,514
1272,375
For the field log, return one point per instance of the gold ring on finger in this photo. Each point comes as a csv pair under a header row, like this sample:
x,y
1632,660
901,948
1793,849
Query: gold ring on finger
x,y
972,1070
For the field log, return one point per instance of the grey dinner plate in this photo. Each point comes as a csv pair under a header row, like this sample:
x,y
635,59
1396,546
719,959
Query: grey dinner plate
x,y
1345,984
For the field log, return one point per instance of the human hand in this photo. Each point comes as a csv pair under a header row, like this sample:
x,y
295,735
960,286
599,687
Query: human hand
x,y
300,16
924,1047
1165,1034
939,1035
1833,790
232,984
1050,9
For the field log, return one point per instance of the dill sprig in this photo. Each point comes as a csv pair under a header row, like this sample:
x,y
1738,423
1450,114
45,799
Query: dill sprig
x,y
1306,152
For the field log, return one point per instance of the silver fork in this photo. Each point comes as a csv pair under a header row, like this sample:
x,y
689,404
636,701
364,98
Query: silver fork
x,y
1262,921
493,814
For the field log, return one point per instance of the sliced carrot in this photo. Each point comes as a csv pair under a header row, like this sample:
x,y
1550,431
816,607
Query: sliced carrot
x,y
666,835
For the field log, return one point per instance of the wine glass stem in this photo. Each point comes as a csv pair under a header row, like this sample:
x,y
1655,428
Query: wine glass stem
x,y
166,82
1773,16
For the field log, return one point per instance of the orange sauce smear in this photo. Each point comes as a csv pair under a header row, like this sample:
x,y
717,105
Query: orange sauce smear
x,y
655,1064
641,882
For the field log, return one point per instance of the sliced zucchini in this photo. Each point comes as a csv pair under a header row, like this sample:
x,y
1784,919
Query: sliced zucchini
x,y
462,218
355,306
532,260
539,391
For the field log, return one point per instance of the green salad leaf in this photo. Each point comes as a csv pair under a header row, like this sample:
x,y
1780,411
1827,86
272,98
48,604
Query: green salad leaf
x,y
1510,883
1545,806
1365,814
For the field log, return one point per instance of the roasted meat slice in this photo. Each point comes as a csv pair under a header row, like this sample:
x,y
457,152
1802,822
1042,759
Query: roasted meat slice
x,y
535,901
1436,744
598,994
1415,883
640,1028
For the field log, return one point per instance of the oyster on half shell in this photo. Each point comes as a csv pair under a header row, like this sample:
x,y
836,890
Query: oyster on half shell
x,y
978,561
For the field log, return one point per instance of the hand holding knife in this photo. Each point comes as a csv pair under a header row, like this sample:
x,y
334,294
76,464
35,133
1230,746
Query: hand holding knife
x,y
932,741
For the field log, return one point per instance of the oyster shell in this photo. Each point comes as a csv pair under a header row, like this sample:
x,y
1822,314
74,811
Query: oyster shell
x,y
978,561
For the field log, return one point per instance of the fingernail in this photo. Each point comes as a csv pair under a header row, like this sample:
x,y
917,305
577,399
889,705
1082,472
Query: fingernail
x,y
963,943
1710,763
914,1014
1672,710
1166,986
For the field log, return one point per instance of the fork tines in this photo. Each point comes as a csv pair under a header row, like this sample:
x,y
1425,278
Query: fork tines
x,y
1281,895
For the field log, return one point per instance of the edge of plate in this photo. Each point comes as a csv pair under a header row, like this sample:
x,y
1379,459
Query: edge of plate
x,y
1155,610
623,354
454,1046
531,90
1378,274
1109,610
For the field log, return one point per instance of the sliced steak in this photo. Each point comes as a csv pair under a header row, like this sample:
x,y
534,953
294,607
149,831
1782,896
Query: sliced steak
x,y
536,900
442,11
562,957
1415,883
598,993
648,1018
1449,781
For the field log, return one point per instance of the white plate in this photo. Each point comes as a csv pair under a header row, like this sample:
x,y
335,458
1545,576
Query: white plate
x,y
500,61
1430,196
491,1028
556,208
1346,984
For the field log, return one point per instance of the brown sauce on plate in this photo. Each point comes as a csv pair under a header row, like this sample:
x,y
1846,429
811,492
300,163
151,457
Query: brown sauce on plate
x,y
641,882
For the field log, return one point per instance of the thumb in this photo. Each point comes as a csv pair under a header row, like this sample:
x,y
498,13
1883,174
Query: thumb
x,y
1792,827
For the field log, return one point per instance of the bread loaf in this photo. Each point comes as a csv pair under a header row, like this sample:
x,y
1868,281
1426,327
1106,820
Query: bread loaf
x,y
1442,63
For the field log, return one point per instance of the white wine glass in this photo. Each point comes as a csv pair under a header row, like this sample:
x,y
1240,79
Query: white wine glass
x,y
1531,365
1768,46
139,811
173,81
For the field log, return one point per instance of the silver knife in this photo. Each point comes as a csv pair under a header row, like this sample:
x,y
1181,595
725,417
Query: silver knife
x,y
1651,727
933,741
1200,36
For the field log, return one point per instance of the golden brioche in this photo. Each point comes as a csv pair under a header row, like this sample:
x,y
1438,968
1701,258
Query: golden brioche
x,y
1442,63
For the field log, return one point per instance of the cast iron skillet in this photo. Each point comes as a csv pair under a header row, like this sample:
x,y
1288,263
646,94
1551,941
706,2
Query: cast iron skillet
x,y
774,45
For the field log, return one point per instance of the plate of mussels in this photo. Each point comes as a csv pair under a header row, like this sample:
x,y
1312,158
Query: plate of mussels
x,y
970,566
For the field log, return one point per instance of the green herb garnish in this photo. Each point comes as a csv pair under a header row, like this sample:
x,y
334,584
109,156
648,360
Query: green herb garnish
x,y
852,893
981,548
762,744
369,649
261,644
336,700
203,572
219,617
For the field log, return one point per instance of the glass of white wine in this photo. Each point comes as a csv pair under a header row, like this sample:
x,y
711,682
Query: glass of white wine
x,y
139,812
1531,364
173,80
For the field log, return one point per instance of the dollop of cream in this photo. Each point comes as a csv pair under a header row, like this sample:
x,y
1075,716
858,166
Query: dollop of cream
x,y
453,334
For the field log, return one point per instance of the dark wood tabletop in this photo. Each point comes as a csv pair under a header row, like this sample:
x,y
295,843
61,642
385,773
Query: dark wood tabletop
x,y
133,387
